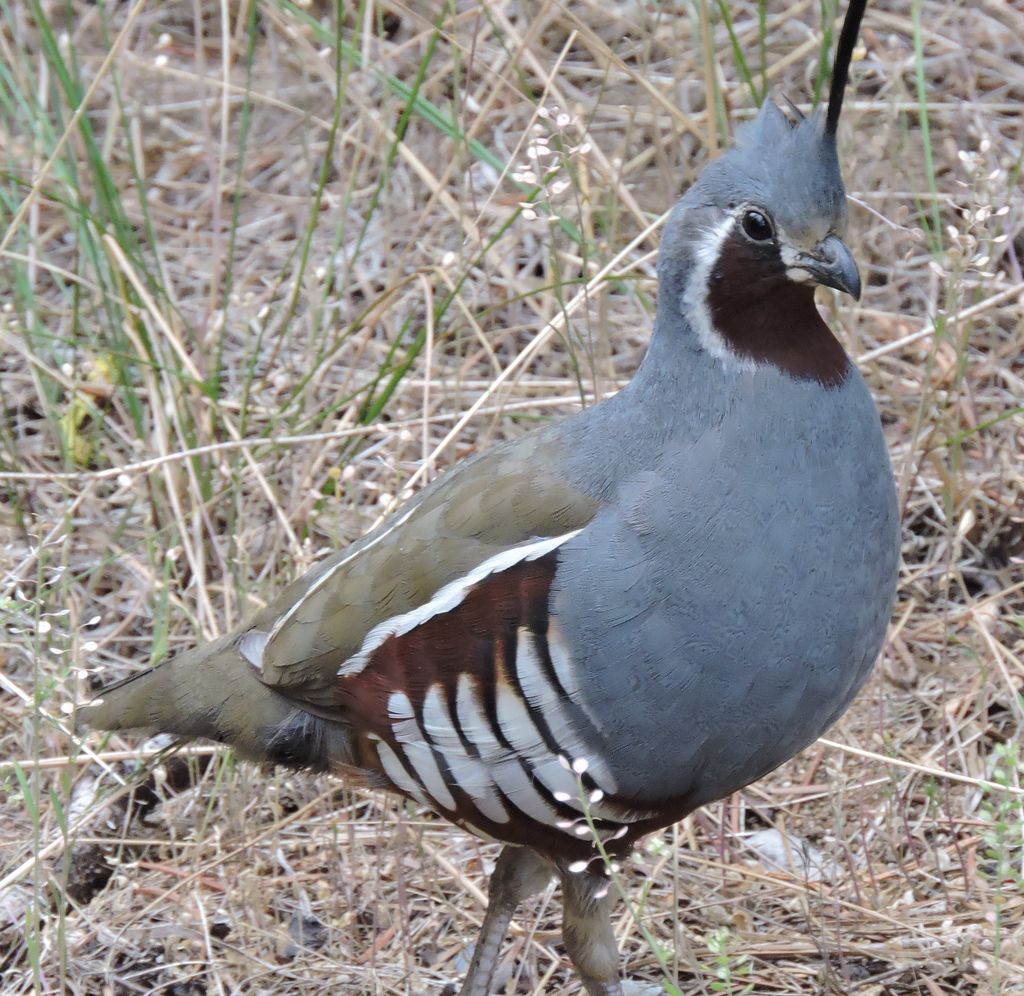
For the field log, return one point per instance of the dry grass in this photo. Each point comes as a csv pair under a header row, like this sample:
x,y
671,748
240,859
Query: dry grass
x,y
204,299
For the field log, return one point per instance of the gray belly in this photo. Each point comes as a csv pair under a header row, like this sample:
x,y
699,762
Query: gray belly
x,y
727,605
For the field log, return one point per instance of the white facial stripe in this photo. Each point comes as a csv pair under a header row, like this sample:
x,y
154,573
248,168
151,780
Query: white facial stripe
x,y
694,298
448,597
789,255
694,303
792,258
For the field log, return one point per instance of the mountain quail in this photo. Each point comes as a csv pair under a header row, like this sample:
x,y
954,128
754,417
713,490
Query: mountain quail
x,y
578,637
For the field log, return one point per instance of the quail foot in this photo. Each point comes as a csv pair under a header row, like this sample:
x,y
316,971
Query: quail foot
x,y
596,628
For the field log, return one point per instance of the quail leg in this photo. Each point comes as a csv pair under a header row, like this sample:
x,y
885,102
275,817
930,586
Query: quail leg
x,y
520,872
587,932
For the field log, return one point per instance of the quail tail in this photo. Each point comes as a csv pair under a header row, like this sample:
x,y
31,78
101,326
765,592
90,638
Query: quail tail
x,y
211,692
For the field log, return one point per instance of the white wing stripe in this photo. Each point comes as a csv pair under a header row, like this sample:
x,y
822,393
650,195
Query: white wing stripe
x,y
329,573
251,647
447,598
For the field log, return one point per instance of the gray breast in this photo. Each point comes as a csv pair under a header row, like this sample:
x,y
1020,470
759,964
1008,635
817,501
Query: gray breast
x,y
732,596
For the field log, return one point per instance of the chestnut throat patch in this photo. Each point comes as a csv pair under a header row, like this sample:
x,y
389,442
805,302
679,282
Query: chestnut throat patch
x,y
764,316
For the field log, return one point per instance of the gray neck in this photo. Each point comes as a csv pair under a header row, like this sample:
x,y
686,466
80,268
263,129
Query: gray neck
x,y
675,355
678,392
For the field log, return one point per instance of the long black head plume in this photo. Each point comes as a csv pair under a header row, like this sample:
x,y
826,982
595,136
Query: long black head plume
x,y
841,65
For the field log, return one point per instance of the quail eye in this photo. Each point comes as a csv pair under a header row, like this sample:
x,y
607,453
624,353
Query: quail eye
x,y
757,226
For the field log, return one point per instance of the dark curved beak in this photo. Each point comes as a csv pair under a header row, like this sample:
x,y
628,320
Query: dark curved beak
x,y
833,265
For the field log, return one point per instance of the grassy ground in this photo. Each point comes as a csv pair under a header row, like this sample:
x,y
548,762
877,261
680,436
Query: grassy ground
x,y
264,272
